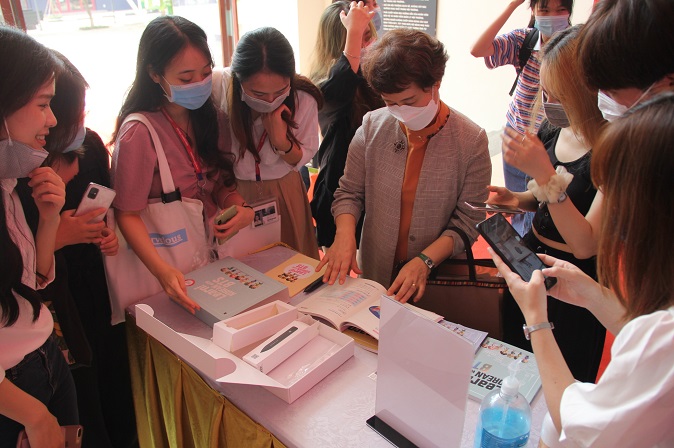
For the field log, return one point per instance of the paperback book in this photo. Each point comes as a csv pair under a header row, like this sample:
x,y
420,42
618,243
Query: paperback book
x,y
296,273
228,287
353,307
490,368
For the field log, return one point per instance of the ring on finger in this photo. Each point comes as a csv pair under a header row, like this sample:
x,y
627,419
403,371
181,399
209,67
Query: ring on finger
x,y
414,285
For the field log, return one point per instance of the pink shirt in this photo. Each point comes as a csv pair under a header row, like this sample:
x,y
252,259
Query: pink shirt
x,y
135,173
24,336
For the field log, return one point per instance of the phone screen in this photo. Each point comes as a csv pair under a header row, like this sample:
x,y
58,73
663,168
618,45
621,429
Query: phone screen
x,y
508,244
493,208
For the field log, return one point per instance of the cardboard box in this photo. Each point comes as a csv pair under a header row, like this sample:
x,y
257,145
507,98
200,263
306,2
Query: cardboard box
x,y
282,344
247,328
289,381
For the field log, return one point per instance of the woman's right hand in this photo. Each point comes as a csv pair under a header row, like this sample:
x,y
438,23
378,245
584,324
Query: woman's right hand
x,y
79,229
173,283
503,196
45,432
357,19
340,259
573,285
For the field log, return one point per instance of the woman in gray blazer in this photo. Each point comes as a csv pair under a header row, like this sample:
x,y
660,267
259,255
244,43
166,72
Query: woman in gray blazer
x,y
410,168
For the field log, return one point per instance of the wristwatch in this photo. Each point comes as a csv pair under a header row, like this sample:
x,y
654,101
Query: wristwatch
x,y
530,329
426,260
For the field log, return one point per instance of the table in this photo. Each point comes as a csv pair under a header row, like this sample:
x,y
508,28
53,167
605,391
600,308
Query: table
x,y
331,414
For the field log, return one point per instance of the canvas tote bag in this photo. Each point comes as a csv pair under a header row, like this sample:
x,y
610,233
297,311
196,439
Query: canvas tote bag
x,y
176,229
467,291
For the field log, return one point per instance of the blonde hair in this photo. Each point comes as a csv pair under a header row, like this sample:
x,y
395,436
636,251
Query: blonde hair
x,y
330,41
561,70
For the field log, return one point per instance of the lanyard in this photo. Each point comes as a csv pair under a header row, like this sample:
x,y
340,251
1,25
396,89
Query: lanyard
x,y
257,157
190,152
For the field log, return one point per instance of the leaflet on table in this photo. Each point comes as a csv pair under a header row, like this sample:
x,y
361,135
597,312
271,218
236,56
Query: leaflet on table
x,y
474,336
296,273
228,287
491,367
301,368
356,303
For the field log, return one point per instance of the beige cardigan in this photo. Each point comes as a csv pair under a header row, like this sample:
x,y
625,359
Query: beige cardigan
x,y
456,168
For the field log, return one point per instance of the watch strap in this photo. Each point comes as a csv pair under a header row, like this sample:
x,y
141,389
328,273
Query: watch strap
x,y
427,260
530,329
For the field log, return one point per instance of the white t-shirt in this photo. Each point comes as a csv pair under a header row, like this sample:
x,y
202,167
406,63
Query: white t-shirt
x,y
272,166
632,405
24,336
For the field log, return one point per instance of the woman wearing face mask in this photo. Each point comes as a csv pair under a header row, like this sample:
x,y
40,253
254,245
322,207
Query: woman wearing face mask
x,y
410,168
343,32
172,89
36,389
549,17
613,53
561,194
273,113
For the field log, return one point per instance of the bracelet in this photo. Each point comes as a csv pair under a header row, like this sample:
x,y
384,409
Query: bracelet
x,y
350,55
285,153
554,191
247,206
530,329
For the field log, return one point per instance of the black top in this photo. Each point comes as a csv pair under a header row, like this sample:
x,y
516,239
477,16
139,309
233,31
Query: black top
x,y
580,191
347,99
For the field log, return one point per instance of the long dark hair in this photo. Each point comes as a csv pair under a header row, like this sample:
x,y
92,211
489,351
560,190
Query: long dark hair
x,y
27,65
264,49
163,39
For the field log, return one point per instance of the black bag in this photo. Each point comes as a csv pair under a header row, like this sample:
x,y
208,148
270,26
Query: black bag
x,y
525,53
467,291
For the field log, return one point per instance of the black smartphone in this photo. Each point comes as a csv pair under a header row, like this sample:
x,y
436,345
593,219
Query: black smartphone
x,y
508,245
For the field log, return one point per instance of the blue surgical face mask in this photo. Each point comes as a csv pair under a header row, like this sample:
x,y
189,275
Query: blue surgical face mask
x,y
378,19
263,106
549,25
78,140
17,159
191,96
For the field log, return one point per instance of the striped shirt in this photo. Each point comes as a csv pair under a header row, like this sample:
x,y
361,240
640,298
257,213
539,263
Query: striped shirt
x,y
506,52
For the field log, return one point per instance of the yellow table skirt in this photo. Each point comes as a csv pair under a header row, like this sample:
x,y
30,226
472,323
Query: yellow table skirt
x,y
176,408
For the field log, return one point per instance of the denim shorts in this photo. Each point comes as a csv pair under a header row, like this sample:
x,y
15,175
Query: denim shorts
x,y
45,375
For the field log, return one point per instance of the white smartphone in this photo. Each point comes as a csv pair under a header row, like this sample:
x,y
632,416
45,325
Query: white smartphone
x,y
494,208
95,196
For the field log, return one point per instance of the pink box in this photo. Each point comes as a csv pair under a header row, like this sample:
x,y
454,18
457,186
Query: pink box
x,y
289,380
252,326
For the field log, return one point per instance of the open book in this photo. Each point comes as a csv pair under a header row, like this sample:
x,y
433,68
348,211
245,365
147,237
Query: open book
x,y
353,305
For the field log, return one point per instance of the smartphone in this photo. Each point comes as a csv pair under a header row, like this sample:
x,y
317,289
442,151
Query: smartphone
x,y
494,208
95,196
508,245
223,217
71,433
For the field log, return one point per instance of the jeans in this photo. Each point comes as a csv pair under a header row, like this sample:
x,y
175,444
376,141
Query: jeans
x,y
516,180
45,375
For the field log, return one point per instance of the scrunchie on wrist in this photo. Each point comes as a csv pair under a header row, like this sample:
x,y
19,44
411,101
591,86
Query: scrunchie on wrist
x,y
554,191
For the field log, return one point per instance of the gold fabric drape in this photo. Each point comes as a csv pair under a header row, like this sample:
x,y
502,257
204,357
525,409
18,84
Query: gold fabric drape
x,y
175,408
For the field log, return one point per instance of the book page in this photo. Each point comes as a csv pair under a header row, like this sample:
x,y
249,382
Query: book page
x,y
474,336
338,303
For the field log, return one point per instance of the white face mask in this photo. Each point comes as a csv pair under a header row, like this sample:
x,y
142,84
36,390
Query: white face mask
x,y
17,159
263,106
413,117
611,109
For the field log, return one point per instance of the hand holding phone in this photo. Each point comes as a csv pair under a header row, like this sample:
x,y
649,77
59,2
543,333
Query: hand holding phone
x,y
71,433
95,196
508,245
223,218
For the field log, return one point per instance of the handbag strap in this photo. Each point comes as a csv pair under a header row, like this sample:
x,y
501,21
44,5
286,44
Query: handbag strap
x,y
170,193
469,252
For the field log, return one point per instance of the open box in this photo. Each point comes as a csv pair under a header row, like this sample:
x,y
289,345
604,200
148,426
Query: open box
x,y
292,378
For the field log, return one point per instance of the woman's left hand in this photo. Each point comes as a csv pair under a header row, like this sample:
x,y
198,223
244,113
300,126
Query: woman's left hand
x,y
244,217
527,154
109,243
49,192
531,297
411,281
277,128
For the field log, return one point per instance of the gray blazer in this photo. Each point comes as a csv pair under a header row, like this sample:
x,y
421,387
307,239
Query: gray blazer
x,y
456,168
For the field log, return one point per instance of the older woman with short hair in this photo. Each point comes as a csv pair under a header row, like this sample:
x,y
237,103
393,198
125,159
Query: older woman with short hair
x,y
411,167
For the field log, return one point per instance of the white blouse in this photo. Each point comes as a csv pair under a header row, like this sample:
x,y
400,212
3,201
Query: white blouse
x,y
24,336
632,405
272,166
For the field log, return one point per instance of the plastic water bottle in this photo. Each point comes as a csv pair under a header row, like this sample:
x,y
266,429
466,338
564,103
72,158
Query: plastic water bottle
x,y
505,415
